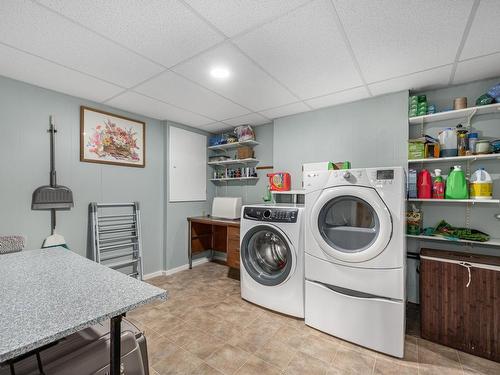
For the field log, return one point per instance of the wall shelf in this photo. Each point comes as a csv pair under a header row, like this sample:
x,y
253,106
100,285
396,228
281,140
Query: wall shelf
x,y
473,201
233,179
456,114
491,242
248,161
456,159
228,146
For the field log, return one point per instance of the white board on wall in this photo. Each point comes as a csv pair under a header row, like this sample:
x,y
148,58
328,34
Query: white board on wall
x,y
187,166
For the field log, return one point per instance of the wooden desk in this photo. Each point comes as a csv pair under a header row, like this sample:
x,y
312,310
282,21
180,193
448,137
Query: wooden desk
x,y
209,233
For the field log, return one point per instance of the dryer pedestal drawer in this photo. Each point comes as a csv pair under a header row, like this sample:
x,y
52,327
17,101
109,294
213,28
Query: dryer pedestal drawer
x,y
387,283
375,323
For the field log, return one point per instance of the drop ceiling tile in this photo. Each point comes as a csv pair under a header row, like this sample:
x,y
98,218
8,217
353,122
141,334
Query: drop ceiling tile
x,y
233,17
32,28
133,102
304,50
251,118
28,68
428,80
394,38
285,110
247,85
174,89
346,96
217,127
480,68
483,39
164,30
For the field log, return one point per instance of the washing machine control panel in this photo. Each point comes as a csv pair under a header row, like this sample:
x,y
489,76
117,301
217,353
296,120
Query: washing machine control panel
x,y
271,214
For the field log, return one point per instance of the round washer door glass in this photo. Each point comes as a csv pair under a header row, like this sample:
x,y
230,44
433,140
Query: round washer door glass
x,y
266,255
351,223
348,224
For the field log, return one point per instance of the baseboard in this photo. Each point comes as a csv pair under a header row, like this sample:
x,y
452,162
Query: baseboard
x,y
171,271
153,274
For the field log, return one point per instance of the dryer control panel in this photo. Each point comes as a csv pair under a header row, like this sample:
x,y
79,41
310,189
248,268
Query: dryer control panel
x,y
271,214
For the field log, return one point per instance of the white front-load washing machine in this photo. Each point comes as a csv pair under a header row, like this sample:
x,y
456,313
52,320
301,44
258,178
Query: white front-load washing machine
x,y
355,255
272,257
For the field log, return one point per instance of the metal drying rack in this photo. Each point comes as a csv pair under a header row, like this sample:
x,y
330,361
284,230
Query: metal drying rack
x,y
116,236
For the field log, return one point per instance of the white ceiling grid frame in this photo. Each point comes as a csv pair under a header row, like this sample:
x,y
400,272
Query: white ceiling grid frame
x,y
392,41
477,68
426,80
258,25
249,85
154,29
134,102
43,33
483,38
286,110
311,61
341,97
465,35
235,17
175,89
40,72
251,118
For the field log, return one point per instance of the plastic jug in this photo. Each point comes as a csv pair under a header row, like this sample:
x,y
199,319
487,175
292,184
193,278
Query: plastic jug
x,y
424,184
456,184
448,142
438,185
481,185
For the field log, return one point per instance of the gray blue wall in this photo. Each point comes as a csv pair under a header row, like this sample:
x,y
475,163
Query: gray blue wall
x,y
24,165
368,133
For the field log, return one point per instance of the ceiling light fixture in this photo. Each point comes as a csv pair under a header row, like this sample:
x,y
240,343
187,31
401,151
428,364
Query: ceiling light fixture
x,y
220,72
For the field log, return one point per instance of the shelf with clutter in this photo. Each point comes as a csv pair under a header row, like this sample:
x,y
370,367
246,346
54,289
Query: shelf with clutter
x,y
232,155
456,178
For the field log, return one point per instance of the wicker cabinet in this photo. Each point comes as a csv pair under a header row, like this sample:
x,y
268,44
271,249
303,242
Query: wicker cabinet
x,y
460,301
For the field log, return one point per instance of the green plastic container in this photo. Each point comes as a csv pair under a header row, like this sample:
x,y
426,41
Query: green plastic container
x,y
456,184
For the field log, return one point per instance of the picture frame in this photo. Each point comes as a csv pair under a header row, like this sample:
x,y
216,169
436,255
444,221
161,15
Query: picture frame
x,y
107,138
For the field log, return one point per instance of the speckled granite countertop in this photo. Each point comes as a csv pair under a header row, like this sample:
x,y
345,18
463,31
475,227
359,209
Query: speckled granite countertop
x,y
51,293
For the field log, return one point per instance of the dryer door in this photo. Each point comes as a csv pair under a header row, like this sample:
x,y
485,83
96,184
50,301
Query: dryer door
x,y
267,255
351,223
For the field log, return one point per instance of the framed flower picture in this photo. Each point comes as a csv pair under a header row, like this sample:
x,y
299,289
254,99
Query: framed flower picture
x,y
111,139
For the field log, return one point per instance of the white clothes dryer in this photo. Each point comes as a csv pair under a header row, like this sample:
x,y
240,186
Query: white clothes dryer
x,y
355,255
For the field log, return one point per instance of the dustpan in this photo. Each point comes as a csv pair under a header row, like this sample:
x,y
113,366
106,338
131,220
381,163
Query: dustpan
x,y
52,197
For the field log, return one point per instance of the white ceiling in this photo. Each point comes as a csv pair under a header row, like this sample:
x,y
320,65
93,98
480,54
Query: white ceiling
x,y
285,56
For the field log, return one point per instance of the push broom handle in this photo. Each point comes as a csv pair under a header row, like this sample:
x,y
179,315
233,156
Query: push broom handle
x,y
52,131
53,181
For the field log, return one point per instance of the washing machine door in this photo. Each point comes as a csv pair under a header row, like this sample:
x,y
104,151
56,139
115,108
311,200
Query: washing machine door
x,y
267,255
351,223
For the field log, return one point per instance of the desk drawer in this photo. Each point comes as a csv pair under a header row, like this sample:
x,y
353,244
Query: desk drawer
x,y
233,253
233,233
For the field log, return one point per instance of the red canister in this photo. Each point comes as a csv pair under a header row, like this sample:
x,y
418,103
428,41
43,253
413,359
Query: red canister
x,y
279,181
424,184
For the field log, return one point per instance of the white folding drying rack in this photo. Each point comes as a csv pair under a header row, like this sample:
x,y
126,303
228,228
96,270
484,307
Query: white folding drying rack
x,y
116,236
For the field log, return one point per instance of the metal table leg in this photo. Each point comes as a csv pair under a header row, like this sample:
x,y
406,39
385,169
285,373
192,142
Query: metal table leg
x,y
115,345
190,254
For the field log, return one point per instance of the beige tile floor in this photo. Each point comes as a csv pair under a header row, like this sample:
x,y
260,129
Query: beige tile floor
x,y
206,328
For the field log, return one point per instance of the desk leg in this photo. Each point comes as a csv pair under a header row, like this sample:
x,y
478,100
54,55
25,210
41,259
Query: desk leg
x,y
190,254
115,345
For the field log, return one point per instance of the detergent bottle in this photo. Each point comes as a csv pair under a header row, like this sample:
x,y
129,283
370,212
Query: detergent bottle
x,y
481,185
456,184
424,184
438,185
